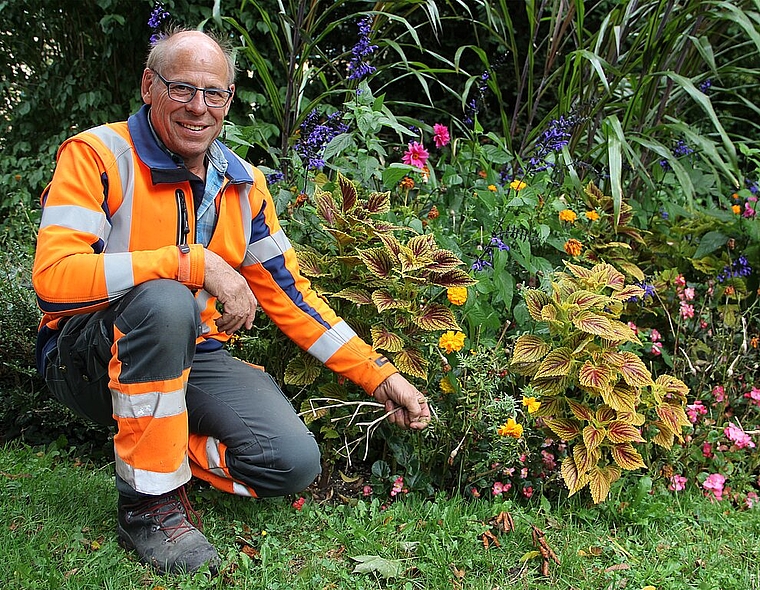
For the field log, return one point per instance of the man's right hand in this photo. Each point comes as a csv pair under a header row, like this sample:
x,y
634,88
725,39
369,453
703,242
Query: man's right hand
x,y
232,291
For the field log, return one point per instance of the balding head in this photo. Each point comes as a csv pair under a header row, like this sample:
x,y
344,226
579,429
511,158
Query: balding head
x,y
201,46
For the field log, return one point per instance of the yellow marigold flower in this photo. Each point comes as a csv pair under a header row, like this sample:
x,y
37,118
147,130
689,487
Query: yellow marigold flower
x,y
567,215
573,247
510,428
446,386
492,188
457,295
517,185
736,209
406,183
451,341
592,215
532,404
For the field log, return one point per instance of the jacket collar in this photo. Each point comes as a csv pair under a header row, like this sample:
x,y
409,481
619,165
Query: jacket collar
x,y
168,167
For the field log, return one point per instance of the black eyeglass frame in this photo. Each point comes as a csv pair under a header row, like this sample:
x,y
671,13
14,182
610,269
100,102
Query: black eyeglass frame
x,y
195,90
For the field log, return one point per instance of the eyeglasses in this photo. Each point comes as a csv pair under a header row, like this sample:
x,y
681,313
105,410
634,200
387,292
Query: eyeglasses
x,y
183,92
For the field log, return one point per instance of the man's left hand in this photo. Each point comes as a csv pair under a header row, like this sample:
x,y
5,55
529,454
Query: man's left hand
x,y
408,406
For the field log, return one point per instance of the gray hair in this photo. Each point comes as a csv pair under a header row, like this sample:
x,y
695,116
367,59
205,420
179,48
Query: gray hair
x,y
158,56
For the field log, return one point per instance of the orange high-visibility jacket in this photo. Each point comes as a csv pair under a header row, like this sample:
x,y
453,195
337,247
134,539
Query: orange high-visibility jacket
x,y
119,211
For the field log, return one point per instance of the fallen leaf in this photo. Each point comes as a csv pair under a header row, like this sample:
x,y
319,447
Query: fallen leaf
x,y
458,574
376,564
488,538
251,552
348,478
617,567
503,522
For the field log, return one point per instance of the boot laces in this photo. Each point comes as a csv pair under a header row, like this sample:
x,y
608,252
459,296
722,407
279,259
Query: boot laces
x,y
168,505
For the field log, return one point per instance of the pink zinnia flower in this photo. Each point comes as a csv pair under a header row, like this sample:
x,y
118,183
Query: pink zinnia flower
x,y
714,485
416,155
677,483
441,135
737,436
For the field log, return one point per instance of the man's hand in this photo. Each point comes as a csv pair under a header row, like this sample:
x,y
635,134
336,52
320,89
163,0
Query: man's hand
x,y
409,406
232,291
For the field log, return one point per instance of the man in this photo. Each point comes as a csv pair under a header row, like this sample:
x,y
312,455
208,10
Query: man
x,y
149,227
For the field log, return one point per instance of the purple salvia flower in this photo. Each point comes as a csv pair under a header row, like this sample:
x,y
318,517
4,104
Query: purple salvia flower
x,y
358,66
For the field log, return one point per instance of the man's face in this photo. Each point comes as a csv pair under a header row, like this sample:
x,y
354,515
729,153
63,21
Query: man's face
x,y
188,129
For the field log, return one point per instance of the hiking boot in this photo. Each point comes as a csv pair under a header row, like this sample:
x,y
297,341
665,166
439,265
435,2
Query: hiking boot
x,y
158,529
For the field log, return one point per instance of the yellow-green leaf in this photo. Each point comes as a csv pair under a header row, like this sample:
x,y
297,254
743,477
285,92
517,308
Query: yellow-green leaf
x,y
674,417
634,371
378,261
384,339
564,428
529,349
593,323
535,300
570,475
385,300
593,437
598,486
586,300
411,362
435,316
620,398
584,458
664,437
580,411
355,295
619,432
594,376
627,457
556,364
675,387
302,370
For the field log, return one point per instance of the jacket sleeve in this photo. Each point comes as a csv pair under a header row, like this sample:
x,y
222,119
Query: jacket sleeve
x,y
271,268
73,270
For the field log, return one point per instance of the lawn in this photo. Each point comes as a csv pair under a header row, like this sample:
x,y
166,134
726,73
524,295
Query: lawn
x,y
58,531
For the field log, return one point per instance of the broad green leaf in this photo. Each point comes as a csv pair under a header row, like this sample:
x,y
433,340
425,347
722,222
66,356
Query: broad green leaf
x,y
374,564
709,243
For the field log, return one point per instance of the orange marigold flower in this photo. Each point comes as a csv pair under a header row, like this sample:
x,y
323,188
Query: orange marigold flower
x,y
517,185
457,295
451,341
730,290
567,215
482,173
531,403
736,209
406,183
735,197
510,428
433,213
754,341
573,247
492,188
592,215
301,199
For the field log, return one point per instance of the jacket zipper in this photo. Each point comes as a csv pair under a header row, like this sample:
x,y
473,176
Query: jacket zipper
x,y
183,224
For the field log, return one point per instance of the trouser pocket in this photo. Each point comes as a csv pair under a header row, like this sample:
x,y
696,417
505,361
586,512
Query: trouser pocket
x,y
77,368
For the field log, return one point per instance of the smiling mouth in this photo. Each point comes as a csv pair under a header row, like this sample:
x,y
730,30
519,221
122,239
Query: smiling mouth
x,y
193,127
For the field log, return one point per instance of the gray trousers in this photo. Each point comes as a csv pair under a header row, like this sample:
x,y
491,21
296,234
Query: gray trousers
x,y
267,446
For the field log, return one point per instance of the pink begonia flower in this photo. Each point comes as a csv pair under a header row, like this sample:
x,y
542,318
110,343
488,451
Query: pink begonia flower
x,y
695,410
441,135
367,490
680,281
524,473
737,436
688,293
548,460
707,451
633,327
748,211
655,336
687,310
677,483
416,155
528,492
398,486
753,396
751,500
500,488
714,485
657,348
719,393
703,324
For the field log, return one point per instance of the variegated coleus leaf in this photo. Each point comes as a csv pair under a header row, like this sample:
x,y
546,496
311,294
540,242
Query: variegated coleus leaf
x,y
621,432
355,295
600,479
556,364
627,457
455,277
634,371
422,246
411,362
378,261
443,261
435,317
379,203
535,300
564,428
385,300
674,418
529,348
326,206
574,479
595,376
608,276
348,193
384,339
309,263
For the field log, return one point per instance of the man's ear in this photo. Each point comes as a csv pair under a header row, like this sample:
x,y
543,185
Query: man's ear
x,y
229,104
146,84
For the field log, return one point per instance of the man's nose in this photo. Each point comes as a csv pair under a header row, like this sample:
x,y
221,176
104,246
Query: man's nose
x,y
197,104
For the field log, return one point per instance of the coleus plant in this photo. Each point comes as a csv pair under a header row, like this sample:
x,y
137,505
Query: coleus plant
x,y
385,285
595,394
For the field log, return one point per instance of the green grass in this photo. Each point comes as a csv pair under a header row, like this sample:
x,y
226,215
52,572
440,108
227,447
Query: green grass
x,y
57,530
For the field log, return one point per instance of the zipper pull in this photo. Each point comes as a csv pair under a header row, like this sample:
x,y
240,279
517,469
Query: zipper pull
x,y
184,223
